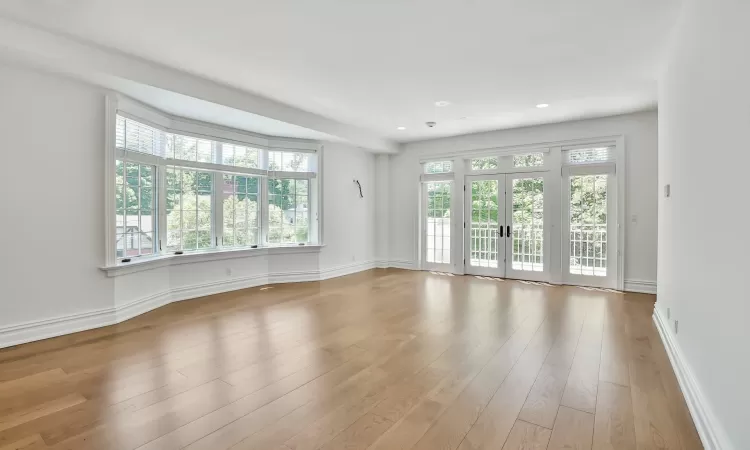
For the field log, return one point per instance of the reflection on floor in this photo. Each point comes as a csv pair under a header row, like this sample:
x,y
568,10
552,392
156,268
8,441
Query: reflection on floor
x,y
383,359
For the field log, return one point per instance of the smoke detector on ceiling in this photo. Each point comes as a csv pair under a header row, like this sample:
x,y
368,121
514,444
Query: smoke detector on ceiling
x,y
431,124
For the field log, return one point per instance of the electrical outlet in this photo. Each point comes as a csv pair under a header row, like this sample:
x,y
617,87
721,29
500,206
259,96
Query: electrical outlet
x,y
676,326
669,313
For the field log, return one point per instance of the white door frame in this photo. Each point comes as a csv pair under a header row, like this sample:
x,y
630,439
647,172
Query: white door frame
x,y
446,267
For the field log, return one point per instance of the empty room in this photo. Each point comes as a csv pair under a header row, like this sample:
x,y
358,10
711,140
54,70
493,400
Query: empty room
x,y
374,225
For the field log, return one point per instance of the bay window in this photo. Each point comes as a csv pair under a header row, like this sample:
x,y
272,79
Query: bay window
x,y
178,192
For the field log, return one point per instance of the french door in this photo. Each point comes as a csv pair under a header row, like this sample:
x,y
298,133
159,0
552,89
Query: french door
x,y
506,234
589,252
436,235
485,227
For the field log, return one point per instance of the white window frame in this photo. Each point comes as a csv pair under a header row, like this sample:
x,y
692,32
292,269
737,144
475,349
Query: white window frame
x,y
505,160
116,104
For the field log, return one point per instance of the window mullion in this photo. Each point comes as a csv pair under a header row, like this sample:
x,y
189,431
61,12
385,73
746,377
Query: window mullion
x,y
161,198
313,208
263,201
217,200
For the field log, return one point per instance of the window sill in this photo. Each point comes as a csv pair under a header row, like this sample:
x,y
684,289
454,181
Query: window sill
x,y
141,264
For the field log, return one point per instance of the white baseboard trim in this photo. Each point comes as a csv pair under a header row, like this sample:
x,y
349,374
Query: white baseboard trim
x,y
58,326
402,264
73,323
709,428
347,269
642,286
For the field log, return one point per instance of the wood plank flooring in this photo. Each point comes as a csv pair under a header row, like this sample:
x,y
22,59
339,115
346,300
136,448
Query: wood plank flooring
x,y
384,359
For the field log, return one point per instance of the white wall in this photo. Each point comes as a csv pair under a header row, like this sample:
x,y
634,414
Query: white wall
x,y
704,113
349,221
52,137
640,131
382,207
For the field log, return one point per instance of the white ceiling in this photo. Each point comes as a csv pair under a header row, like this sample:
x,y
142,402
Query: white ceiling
x,y
382,64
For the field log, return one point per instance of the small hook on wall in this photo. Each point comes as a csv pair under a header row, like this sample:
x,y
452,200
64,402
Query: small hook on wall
x,y
360,188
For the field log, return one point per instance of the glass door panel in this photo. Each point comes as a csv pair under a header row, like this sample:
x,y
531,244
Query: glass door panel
x,y
526,217
589,230
485,209
437,230
588,225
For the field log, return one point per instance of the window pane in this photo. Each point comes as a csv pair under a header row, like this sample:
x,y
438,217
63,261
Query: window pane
x,y
240,211
483,250
489,162
528,224
288,214
137,137
237,155
134,209
189,209
205,151
289,161
529,160
438,167
589,155
189,148
437,238
588,225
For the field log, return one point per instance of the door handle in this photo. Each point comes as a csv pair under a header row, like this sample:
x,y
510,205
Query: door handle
x,y
508,233
501,231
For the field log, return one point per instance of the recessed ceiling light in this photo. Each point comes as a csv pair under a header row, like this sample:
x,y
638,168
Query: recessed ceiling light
x,y
542,105
401,128
442,103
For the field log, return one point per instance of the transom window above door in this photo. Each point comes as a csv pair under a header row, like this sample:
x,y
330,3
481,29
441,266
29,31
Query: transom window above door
x,y
507,162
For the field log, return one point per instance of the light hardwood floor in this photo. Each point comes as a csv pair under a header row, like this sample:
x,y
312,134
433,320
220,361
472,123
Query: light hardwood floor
x,y
384,359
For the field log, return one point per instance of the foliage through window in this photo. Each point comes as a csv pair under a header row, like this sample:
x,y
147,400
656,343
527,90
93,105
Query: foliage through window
x,y
438,167
240,156
288,211
489,162
135,213
178,193
289,161
528,160
483,249
241,212
189,148
588,225
189,195
528,224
